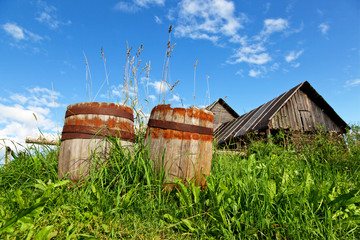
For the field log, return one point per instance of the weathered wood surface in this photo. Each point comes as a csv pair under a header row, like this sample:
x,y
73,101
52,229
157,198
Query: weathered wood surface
x,y
41,140
78,148
182,154
221,115
301,113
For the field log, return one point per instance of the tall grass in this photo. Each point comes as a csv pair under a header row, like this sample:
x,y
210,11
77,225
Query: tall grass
x,y
273,192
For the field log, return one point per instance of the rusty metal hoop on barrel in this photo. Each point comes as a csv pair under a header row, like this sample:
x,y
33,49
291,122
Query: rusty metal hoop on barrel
x,y
84,134
180,142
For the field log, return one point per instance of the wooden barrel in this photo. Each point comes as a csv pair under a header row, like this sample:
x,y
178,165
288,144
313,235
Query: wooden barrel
x,y
180,142
86,126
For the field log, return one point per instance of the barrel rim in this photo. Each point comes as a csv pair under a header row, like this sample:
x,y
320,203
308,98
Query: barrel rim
x,y
109,109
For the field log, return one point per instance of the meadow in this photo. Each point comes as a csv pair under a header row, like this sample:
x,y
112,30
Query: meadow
x,y
271,192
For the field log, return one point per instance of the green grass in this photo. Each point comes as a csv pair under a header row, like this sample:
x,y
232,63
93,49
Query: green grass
x,y
272,193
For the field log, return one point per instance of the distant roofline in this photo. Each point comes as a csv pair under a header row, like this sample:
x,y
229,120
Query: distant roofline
x,y
258,118
225,105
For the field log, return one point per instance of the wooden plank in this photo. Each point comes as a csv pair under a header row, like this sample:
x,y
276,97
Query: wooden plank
x,y
294,122
273,122
166,115
283,117
221,115
307,104
297,101
300,100
153,139
173,152
287,117
317,115
205,154
76,155
306,118
297,113
41,140
193,144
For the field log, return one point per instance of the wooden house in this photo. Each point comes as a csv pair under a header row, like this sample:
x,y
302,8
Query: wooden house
x,y
222,112
301,109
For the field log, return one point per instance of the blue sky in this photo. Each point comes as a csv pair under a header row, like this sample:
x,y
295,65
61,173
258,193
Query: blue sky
x,y
249,50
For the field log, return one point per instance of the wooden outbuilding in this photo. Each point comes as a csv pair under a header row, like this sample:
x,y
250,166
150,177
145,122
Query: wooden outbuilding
x,y
301,109
222,112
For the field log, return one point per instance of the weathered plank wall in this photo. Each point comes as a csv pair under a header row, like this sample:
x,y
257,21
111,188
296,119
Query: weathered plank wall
x,y
302,114
221,115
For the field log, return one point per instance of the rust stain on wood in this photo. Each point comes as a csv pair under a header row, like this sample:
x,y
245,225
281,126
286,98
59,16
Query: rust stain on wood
x,y
206,116
167,134
97,122
85,125
206,138
180,111
184,134
155,133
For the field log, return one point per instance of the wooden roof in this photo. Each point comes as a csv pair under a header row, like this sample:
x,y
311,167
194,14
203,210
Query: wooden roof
x,y
225,105
258,119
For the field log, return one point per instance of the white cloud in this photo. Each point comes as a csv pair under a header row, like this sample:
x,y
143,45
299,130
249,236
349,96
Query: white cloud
x,y
171,14
146,3
254,73
253,54
253,50
324,28
240,72
48,16
19,98
30,116
19,33
48,19
2,99
175,98
37,97
136,5
14,30
218,21
118,91
293,55
126,7
207,19
239,39
20,123
152,98
158,20
274,25
288,32
274,67
43,97
295,65
159,86
353,83
33,36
